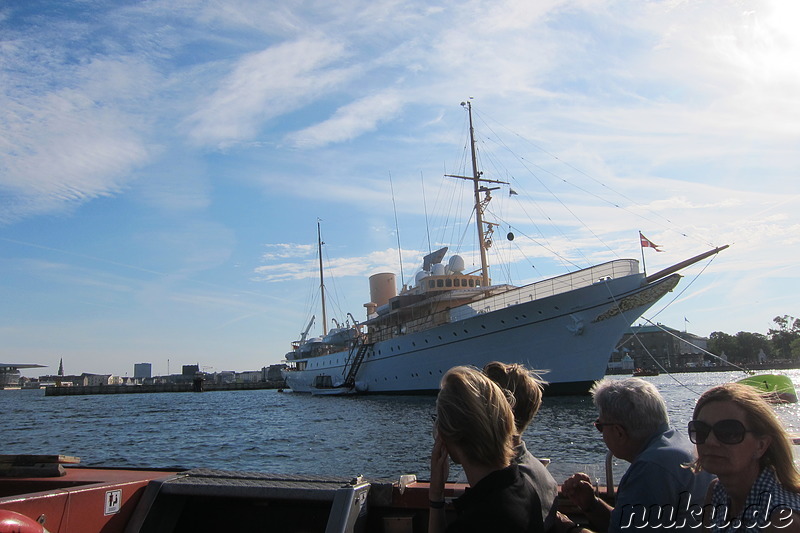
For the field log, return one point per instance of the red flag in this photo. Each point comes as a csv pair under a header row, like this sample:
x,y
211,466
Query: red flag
x,y
647,243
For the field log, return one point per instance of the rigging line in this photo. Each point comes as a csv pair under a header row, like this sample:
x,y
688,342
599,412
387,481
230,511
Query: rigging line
x,y
397,229
547,217
622,312
685,288
671,225
703,350
524,163
333,295
425,209
545,246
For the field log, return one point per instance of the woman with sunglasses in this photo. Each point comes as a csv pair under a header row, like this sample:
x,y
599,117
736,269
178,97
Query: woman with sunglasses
x,y
475,427
742,442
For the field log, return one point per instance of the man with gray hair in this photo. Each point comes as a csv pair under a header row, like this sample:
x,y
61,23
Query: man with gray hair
x,y
658,490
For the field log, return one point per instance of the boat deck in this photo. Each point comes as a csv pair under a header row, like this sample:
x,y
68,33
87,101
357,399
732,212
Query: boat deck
x,y
89,500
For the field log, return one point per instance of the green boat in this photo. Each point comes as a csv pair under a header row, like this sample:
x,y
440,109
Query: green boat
x,y
776,387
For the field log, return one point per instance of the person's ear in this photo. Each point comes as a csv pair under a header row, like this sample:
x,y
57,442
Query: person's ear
x,y
762,445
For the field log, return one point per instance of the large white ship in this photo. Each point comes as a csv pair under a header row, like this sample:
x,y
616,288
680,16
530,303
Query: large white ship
x,y
566,326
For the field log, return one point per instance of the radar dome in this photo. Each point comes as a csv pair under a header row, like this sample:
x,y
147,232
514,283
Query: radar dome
x,y
456,264
437,269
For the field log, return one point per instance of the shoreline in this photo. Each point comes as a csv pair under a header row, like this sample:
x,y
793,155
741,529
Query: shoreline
x,y
728,368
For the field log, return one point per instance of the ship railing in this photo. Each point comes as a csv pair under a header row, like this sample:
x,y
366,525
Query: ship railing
x,y
549,287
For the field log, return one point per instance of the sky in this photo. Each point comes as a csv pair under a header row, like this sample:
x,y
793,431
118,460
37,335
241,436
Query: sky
x,y
164,164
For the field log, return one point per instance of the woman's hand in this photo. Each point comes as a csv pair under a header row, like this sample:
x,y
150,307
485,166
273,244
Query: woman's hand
x,y
440,468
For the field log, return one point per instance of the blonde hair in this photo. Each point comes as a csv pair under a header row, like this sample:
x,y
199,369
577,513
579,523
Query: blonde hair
x,y
475,414
525,385
761,420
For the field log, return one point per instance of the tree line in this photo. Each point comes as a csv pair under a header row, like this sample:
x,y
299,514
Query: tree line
x,y
780,344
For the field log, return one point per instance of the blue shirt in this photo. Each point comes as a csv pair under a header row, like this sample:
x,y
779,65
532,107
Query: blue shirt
x,y
659,490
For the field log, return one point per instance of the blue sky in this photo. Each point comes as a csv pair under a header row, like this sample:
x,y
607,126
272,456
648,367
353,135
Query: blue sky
x,y
163,164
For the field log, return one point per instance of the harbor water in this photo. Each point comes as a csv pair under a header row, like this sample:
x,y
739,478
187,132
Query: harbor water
x,y
380,437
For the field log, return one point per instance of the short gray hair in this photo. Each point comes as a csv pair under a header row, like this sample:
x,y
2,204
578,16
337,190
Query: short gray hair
x,y
633,403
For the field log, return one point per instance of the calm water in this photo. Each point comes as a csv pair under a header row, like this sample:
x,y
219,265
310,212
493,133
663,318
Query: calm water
x,y
268,431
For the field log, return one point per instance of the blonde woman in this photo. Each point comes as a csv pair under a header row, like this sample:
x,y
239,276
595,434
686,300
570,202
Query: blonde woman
x,y
741,441
475,427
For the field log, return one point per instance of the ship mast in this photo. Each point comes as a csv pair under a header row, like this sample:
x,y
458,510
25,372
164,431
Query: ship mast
x,y
484,236
321,280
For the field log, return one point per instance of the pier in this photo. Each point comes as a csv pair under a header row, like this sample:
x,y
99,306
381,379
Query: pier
x,y
161,387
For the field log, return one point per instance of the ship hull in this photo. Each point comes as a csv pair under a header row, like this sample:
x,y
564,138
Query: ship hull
x,y
568,336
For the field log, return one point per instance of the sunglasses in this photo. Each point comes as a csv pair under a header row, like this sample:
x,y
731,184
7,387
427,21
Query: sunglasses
x,y
726,431
600,425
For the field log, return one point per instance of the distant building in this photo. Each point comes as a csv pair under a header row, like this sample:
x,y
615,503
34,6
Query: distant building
x,y
63,381
273,372
226,376
142,370
92,380
660,346
190,370
250,376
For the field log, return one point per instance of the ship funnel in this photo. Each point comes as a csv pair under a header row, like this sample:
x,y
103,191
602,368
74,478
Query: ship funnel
x,y
382,288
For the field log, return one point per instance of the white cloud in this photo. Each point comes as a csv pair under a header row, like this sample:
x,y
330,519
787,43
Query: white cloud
x,y
265,85
350,121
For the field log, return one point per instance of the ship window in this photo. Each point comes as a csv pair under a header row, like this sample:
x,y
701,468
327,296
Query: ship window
x,y
448,282
477,283
472,283
439,283
430,284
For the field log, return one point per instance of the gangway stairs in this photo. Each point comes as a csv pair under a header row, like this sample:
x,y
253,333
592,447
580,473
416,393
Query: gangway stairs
x,y
354,361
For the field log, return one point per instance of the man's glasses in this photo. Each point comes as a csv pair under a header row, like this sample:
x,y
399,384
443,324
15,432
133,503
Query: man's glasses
x,y
726,431
600,425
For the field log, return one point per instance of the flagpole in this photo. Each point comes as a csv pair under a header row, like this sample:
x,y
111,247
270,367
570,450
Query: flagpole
x,y
644,265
